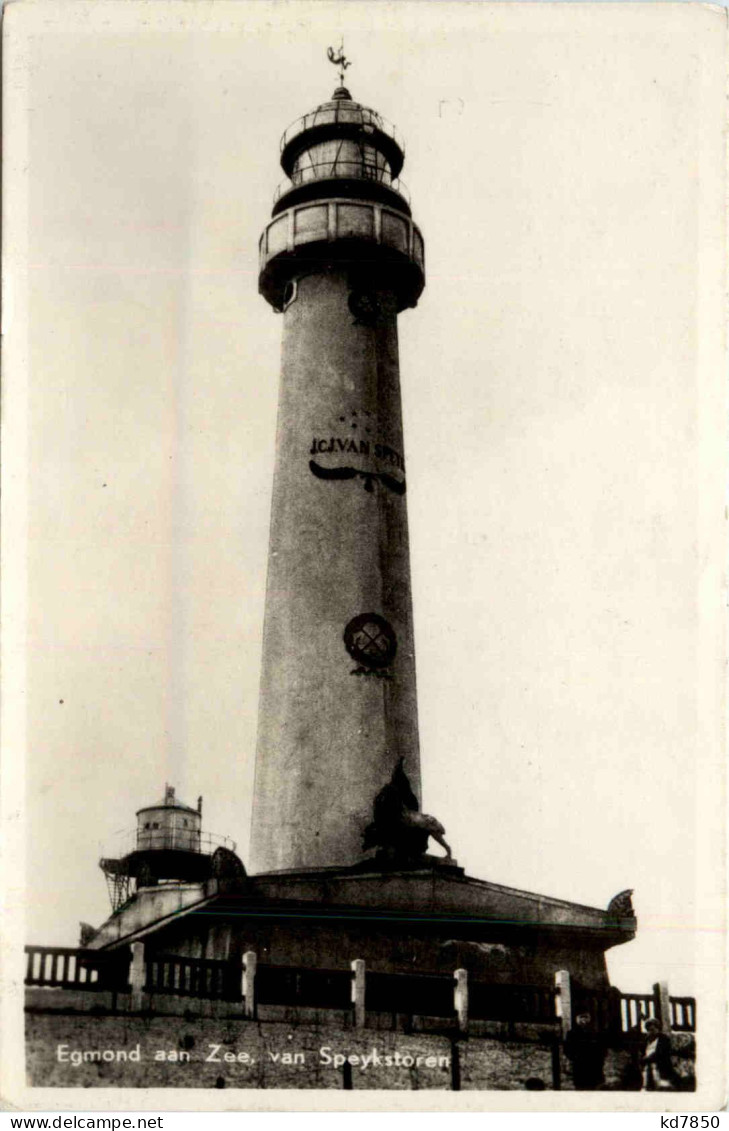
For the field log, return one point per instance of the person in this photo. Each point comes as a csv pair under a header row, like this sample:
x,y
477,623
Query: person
x,y
632,1074
658,1071
584,1047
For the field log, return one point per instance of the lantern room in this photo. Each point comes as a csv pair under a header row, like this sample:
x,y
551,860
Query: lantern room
x,y
337,147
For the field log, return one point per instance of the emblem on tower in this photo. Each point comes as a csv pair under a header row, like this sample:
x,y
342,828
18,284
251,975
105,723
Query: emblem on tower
x,y
371,641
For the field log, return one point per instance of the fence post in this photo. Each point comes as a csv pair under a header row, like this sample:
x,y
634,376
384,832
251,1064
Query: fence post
x,y
455,1065
249,983
563,994
137,972
663,1005
460,998
358,992
556,1066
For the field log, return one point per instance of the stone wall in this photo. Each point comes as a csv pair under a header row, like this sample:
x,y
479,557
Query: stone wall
x,y
389,947
317,1050
178,1052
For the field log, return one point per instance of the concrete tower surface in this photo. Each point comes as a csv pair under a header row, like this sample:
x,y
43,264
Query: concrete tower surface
x,y
341,257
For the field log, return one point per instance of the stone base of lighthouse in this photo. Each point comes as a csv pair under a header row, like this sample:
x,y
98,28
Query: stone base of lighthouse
x,y
426,920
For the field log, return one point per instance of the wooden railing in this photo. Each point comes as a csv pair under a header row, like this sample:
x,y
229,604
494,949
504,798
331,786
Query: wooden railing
x,y
193,977
452,997
410,994
683,1014
636,1008
71,968
299,986
488,1002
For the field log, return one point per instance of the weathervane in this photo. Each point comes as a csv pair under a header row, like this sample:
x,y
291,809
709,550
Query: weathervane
x,y
339,60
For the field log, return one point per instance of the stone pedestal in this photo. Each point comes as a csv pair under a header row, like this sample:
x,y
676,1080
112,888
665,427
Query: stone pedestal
x,y
432,919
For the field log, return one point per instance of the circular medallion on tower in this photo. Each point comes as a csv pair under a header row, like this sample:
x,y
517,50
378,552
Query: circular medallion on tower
x,y
371,640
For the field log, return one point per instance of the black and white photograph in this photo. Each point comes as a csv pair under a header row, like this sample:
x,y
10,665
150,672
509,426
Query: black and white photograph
x,y
363,559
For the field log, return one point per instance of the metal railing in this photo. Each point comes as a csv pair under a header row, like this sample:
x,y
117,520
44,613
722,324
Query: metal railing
x,y
341,170
345,113
185,840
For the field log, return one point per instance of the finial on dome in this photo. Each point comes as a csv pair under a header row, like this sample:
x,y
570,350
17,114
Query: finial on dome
x,y
342,62
342,93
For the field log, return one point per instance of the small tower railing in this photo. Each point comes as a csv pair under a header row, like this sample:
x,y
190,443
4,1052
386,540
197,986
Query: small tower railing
x,y
182,840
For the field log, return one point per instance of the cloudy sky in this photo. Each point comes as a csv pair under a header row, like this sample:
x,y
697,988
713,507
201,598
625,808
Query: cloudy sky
x,y
558,402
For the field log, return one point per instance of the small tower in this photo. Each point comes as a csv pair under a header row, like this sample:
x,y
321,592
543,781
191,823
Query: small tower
x,y
168,847
169,826
341,257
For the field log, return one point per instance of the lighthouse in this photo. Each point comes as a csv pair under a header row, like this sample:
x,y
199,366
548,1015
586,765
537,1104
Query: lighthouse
x,y
341,258
340,870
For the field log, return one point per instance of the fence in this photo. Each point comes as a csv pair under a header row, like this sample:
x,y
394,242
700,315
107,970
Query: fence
x,y
192,977
456,999
635,1008
511,1003
70,968
683,1014
296,986
410,994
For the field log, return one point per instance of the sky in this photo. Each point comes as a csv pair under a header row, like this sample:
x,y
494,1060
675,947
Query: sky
x,y
559,406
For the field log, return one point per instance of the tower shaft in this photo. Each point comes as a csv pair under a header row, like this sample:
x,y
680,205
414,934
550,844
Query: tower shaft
x,y
341,256
331,728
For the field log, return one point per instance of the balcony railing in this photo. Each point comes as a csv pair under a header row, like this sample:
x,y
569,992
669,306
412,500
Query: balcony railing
x,y
184,840
341,170
342,112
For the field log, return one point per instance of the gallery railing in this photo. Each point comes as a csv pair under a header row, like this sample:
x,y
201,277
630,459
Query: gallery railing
x,y
186,840
341,170
338,112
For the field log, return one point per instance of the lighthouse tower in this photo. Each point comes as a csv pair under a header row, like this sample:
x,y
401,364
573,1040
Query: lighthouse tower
x,y
340,258
340,869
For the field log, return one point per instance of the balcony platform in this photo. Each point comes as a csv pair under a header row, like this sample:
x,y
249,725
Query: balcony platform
x,y
342,230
